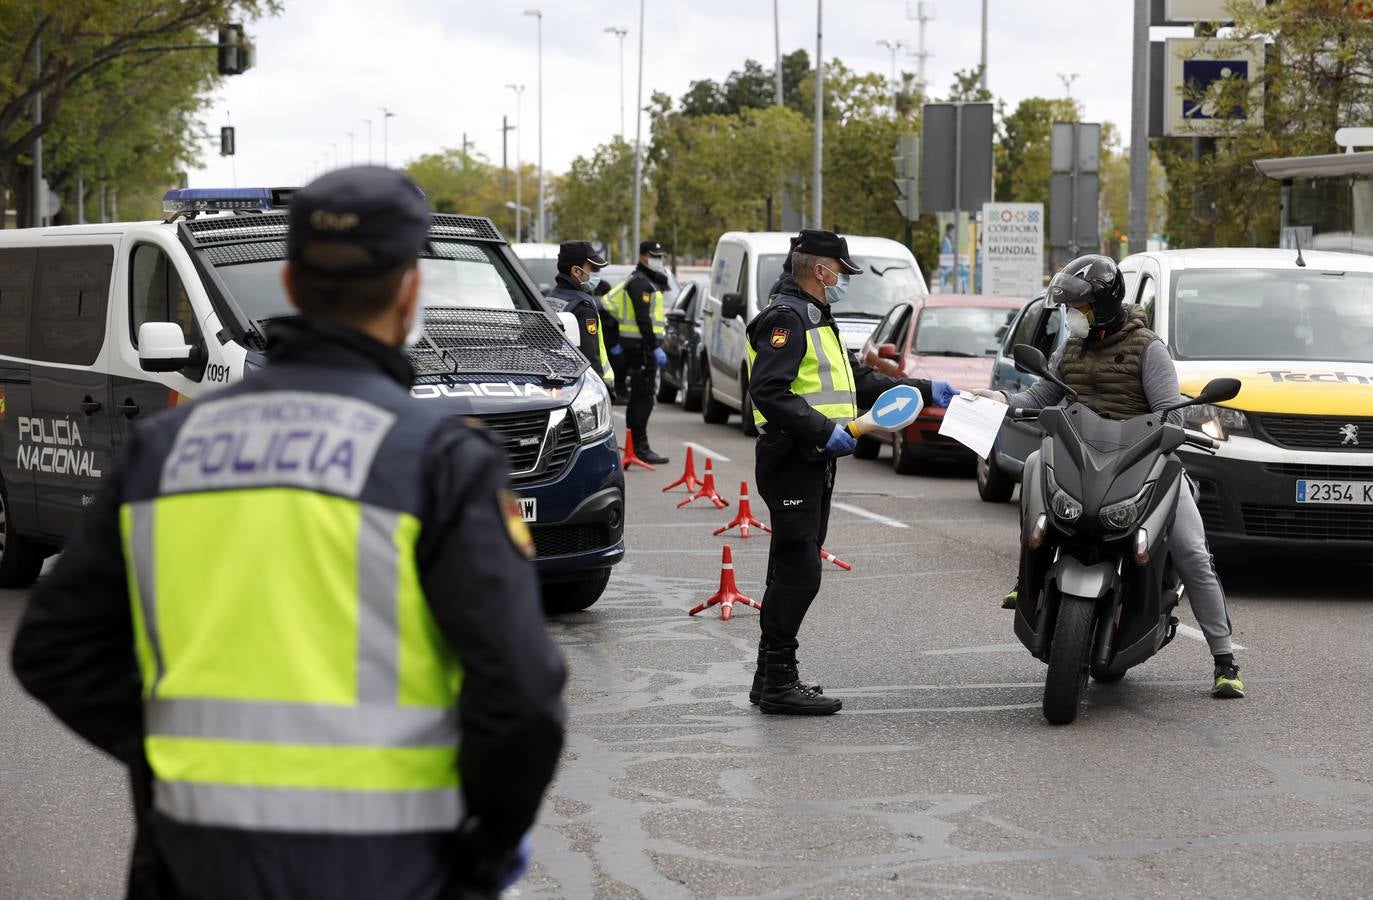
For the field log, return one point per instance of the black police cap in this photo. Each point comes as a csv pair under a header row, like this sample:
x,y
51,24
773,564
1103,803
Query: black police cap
x,y
578,253
827,244
651,248
358,221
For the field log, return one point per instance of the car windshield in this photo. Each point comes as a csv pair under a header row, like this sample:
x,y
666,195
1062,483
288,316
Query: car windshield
x,y
883,283
1273,315
459,275
544,272
961,330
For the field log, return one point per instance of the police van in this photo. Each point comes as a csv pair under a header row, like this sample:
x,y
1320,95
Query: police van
x,y
101,325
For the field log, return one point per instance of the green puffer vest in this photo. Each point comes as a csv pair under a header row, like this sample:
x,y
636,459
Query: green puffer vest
x,y
1106,373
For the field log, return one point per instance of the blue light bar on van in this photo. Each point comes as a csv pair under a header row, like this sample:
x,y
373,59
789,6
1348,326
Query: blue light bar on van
x,y
183,200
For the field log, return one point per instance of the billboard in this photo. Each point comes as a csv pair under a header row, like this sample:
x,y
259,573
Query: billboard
x,y
1199,74
1204,10
1012,249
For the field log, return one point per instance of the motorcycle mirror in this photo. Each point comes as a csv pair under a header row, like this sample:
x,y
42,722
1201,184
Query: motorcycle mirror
x,y
1218,390
1031,359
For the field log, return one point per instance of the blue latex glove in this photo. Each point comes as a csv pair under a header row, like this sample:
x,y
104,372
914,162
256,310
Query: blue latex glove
x,y
615,350
943,392
841,442
660,355
520,864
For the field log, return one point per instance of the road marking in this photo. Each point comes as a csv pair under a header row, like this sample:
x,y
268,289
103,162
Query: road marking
x,y
986,648
860,511
1196,634
719,457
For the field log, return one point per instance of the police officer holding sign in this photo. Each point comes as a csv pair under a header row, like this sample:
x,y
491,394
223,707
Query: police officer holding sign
x,y
805,391
574,290
293,596
638,306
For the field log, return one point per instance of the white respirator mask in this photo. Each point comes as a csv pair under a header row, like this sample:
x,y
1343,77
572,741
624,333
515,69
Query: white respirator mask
x,y
1077,323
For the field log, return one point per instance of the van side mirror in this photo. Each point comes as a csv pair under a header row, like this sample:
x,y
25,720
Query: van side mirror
x,y
569,323
732,306
162,347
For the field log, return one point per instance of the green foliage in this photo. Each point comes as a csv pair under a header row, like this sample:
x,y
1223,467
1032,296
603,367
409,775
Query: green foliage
x,y
596,199
752,87
967,87
464,183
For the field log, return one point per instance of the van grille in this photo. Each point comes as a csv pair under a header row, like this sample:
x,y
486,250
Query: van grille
x,y
1308,524
517,433
1336,473
1317,432
562,540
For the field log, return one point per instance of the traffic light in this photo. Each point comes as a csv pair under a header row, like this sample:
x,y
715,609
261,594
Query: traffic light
x,y
236,54
226,141
907,198
907,181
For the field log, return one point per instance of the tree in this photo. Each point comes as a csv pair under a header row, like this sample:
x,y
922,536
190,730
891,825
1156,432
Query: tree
x,y
597,196
967,87
467,184
752,87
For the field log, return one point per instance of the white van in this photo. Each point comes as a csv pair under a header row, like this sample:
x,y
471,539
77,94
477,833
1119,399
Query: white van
x,y
746,266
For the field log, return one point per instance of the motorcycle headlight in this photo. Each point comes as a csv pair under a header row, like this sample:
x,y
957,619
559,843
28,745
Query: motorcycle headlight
x,y
1062,503
591,409
1123,515
1216,422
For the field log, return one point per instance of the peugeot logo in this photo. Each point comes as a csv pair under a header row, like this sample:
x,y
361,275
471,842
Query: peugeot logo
x,y
1350,433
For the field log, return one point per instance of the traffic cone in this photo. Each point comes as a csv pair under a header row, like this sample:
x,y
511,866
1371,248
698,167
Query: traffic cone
x,y
688,476
707,491
745,517
630,457
728,594
831,558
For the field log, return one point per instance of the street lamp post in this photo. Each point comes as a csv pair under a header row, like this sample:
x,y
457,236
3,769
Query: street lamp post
x,y
620,33
638,136
1068,78
352,158
519,92
369,140
543,218
984,45
386,117
892,46
817,176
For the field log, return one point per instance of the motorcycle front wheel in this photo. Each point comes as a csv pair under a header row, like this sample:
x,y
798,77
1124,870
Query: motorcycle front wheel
x,y
1068,660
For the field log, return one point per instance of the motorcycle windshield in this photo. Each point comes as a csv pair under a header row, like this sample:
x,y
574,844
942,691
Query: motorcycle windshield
x,y
1101,461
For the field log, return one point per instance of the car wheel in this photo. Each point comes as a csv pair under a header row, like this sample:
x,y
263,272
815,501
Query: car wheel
x,y
903,460
712,411
868,448
20,558
666,392
750,428
691,392
574,596
993,485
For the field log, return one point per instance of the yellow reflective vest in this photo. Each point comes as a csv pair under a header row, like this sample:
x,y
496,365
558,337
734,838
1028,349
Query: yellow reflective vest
x,y
621,306
824,379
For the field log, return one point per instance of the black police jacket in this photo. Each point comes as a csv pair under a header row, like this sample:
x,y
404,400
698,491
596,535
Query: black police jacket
x,y
774,370
641,285
75,653
586,308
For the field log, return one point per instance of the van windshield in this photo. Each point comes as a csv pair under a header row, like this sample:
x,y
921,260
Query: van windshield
x,y
465,276
884,282
1273,315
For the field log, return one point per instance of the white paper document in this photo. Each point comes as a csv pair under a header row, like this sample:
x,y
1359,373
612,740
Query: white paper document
x,y
974,422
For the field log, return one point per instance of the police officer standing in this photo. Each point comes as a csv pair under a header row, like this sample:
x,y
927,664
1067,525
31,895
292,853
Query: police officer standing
x,y
638,306
579,267
805,391
291,597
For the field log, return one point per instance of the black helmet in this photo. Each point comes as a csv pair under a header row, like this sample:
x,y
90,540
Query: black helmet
x,y
1093,281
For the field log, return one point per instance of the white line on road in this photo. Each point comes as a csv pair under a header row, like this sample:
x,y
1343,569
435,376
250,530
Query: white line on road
x,y
1196,634
718,457
860,511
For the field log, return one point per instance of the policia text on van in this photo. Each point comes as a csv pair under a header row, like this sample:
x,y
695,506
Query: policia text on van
x,y
101,325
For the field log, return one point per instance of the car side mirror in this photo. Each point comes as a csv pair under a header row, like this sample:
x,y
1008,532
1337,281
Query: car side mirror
x,y
162,347
732,306
676,315
888,351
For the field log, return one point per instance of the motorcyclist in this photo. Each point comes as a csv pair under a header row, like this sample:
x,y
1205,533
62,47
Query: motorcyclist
x,y
1121,369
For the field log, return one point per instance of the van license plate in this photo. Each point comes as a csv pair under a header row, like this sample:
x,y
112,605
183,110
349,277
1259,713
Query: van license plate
x,y
529,509
1343,493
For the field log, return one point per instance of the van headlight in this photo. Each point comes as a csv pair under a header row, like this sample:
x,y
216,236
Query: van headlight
x,y
1216,422
591,408
1122,516
1064,505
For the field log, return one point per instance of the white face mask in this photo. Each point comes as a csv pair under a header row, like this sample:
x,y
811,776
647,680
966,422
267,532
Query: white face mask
x,y
657,264
1077,323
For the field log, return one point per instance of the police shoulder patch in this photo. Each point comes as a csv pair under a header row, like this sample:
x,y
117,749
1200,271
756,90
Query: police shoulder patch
x,y
780,336
814,312
591,326
515,524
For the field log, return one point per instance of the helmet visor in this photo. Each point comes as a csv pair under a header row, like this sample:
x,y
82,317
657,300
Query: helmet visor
x,y
1069,290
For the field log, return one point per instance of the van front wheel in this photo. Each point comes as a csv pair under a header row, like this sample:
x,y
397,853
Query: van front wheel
x,y
20,558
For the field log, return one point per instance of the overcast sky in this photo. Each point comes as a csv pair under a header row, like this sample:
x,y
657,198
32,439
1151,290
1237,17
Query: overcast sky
x,y
325,66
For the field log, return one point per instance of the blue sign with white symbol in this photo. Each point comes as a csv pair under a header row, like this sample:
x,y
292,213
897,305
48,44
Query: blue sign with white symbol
x,y
1207,80
897,407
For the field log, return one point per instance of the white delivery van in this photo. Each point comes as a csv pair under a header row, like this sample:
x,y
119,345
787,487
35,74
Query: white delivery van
x,y
746,266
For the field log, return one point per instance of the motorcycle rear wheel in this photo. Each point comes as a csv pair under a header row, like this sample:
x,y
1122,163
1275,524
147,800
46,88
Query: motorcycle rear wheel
x,y
1068,660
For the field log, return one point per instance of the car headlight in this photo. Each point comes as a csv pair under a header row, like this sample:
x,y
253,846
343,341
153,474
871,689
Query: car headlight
x,y
591,408
1123,515
1063,504
1216,422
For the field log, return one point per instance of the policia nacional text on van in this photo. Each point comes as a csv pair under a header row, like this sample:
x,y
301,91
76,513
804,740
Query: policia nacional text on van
x,y
300,609
805,391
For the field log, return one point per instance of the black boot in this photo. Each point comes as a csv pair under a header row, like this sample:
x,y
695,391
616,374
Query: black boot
x,y
783,693
760,676
645,452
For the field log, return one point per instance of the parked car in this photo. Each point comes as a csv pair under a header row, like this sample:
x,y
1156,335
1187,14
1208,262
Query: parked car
x,y
1043,329
540,261
946,336
686,366
746,266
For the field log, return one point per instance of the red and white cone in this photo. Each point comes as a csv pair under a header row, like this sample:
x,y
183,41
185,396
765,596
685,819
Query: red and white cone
x,y
745,519
688,479
728,594
631,458
707,491
831,558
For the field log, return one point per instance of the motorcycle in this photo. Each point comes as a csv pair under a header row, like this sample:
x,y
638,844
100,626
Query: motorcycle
x,y
1098,587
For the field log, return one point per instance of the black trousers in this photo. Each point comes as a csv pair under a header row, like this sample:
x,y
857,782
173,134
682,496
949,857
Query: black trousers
x,y
641,371
796,483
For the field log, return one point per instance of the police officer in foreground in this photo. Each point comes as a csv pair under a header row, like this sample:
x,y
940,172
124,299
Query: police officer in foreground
x,y
291,597
805,391
575,287
638,305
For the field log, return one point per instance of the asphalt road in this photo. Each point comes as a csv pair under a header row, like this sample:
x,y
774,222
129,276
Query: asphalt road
x,y
940,776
